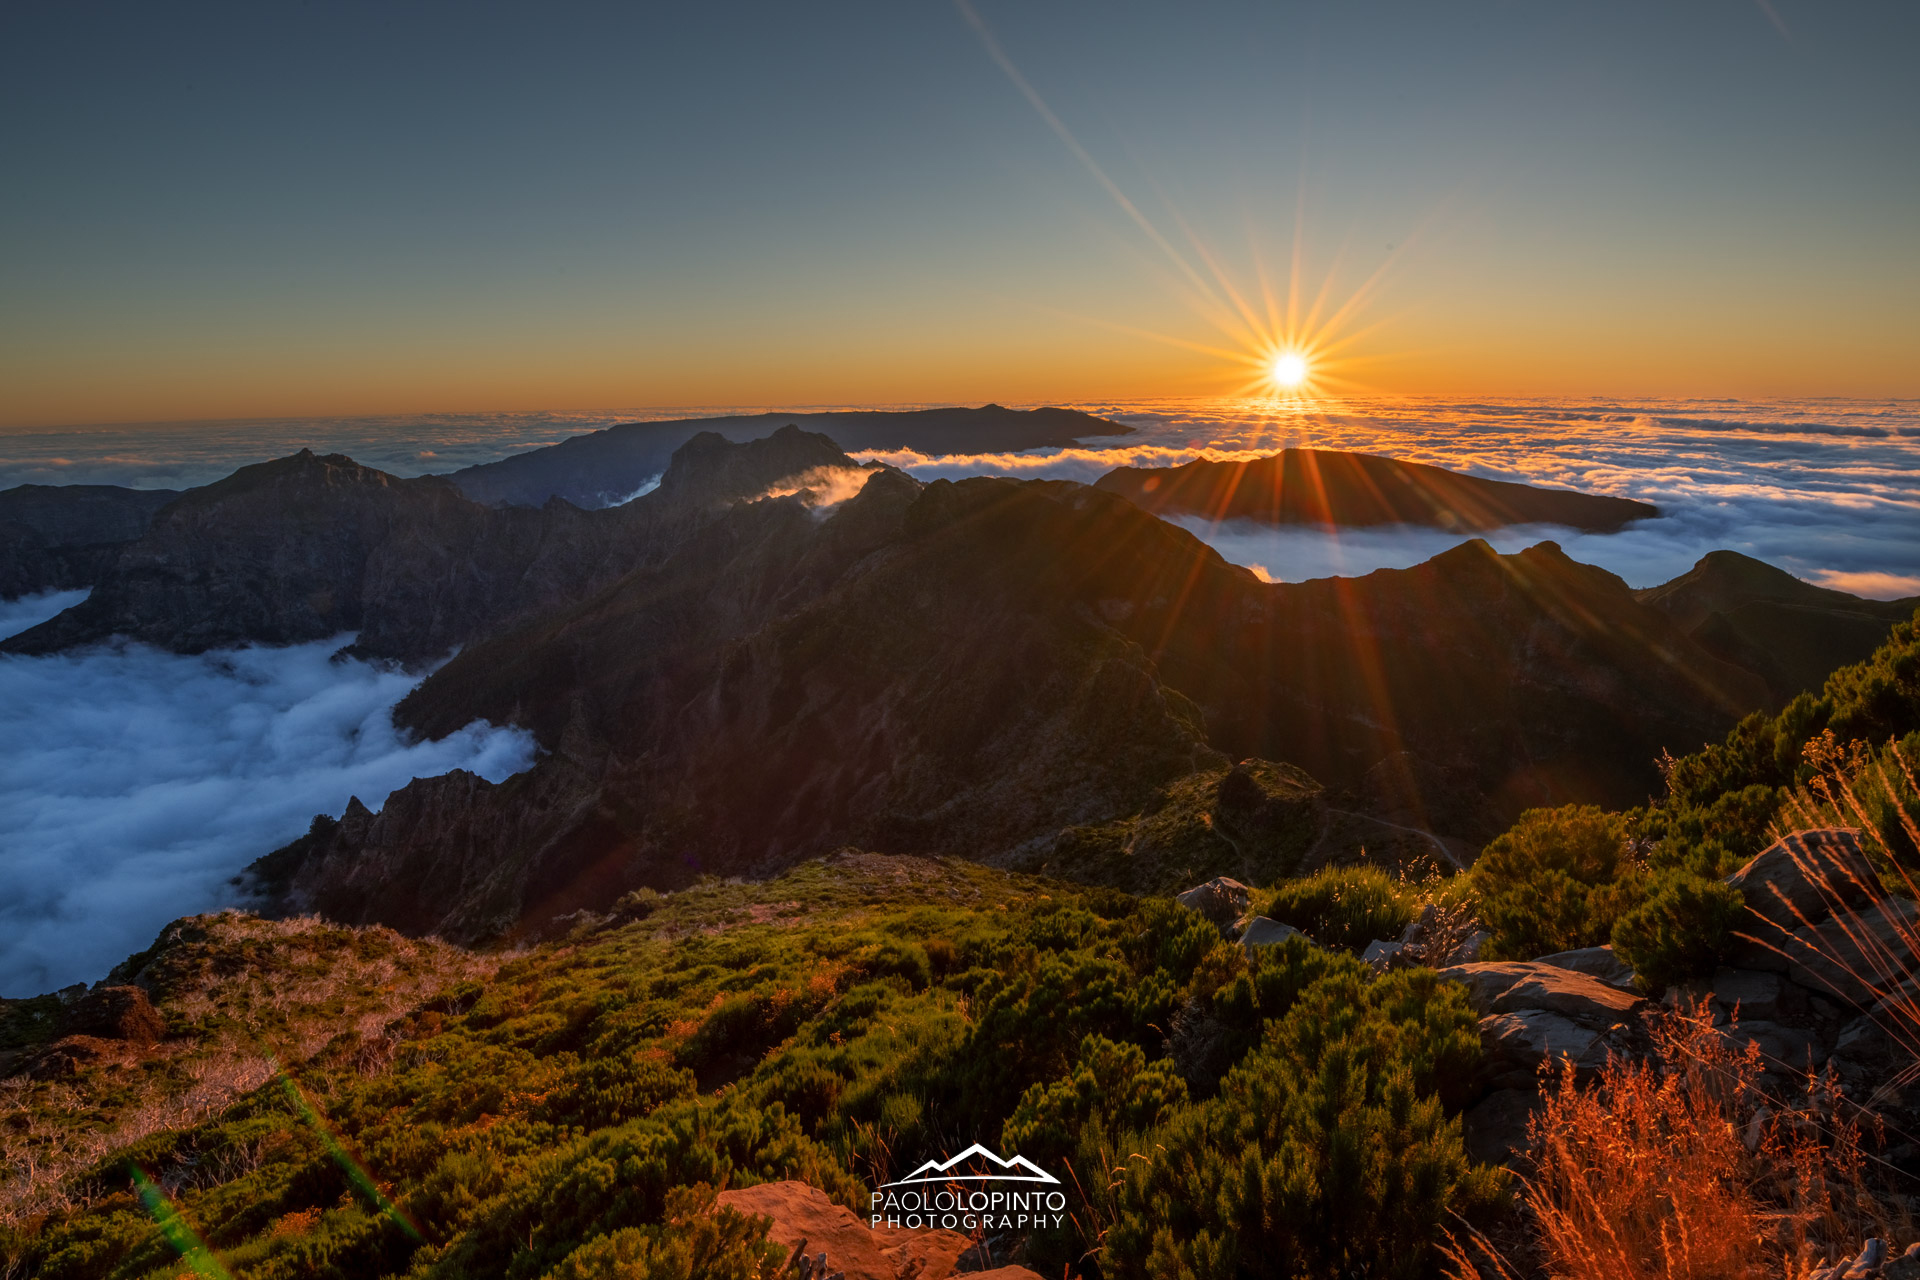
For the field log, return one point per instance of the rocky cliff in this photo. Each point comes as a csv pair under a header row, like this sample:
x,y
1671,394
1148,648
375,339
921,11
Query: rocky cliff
x,y
59,537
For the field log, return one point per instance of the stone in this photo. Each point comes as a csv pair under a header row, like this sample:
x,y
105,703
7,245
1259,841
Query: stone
x,y
1221,900
1595,962
1381,954
1753,994
1263,932
1513,986
1860,957
1791,1048
1517,1045
1805,877
1495,1128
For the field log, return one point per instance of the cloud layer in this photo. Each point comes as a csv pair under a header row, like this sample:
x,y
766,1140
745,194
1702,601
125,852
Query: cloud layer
x,y
146,780
1828,490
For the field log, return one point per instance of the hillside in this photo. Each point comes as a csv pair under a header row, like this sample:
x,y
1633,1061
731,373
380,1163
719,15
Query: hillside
x,y
1355,490
1790,633
976,667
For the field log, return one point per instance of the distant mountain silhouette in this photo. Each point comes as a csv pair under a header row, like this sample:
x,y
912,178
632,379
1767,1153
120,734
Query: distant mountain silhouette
x,y
1330,487
608,466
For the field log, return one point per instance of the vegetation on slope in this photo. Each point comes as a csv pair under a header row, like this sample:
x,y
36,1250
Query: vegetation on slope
x,y
1279,1113
1648,879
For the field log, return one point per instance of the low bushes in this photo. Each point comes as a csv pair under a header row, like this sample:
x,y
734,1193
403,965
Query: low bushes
x,y
1342,907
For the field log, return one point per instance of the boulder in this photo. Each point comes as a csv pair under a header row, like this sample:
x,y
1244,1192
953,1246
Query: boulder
x,y
1754,995
1519,986
1862,956
1534,1015
1804,878
1382,955
1793,1049
1595,962
1495,1128
1263,932
1221,900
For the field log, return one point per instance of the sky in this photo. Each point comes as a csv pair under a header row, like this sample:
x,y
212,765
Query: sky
x,y
224,211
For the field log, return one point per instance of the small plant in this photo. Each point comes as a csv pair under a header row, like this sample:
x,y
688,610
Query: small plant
x,y
1557,881
1343,907
1680,930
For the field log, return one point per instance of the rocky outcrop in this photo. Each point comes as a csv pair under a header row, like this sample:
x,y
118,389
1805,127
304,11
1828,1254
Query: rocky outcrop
x,y
60,537
1596,962
1331,487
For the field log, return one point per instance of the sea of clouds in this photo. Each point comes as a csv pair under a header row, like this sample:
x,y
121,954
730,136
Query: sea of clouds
x,y
135,783
1828,490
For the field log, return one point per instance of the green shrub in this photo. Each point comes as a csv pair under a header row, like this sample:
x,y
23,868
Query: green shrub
x,y
1680,930
1327,1151
1110,1083
1343,907
1558,880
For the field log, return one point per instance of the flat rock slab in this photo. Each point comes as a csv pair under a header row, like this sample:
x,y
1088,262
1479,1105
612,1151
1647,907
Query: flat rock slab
x,y
802,1212
1529,986
1595,962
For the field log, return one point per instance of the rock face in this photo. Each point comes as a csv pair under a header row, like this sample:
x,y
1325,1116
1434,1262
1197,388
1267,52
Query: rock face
x,y
1329,487
608,466
1790,633
1595,962
59,537
1220,900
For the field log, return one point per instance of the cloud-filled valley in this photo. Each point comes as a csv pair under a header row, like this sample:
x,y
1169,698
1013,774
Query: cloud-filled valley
x,y
134,783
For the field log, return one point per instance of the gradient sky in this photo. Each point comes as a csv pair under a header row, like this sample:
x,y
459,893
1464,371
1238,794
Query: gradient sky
x,y
276,209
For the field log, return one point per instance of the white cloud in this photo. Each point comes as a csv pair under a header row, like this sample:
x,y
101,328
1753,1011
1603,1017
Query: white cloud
x,y
134,783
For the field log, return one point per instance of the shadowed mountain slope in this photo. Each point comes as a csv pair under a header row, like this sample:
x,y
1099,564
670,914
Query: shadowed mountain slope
x,y
1330,487
58,537
305,547
1790,633
972,667
608,466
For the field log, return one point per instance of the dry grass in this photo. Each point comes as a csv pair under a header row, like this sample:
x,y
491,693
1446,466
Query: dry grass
x,y
296,990
1682,1168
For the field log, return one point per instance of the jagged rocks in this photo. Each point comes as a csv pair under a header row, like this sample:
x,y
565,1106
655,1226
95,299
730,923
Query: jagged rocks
x,y
1221,900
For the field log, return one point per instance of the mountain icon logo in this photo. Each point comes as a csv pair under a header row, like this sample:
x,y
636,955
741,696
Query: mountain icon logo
x,y
1023,1170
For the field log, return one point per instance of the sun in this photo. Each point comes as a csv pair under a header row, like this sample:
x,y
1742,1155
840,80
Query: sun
x,y
1289,369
